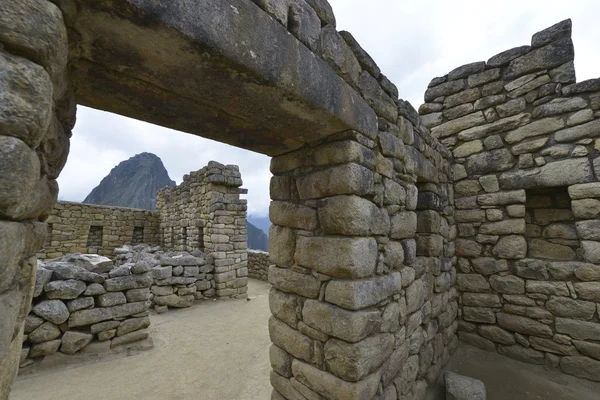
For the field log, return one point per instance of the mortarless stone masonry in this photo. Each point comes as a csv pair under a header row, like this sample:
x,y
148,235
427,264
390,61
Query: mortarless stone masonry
x,y
371,214
524,136
258,265
70,226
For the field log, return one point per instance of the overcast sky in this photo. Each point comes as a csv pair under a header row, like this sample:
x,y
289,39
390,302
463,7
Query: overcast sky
x,y
412,42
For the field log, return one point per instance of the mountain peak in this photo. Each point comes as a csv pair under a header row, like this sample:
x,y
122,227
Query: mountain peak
x,y
133,183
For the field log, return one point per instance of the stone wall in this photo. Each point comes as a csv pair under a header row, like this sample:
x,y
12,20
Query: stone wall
x,y
93,229
524,137
37,114
205,213
82,301
258,265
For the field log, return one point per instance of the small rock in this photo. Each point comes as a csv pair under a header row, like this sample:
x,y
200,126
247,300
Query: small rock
x,y
460,387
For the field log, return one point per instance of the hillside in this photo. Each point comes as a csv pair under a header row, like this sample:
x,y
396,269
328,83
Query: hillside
x,y
133,183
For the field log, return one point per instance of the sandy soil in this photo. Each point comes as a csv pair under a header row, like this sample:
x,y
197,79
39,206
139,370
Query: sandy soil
x,y
218,350
213,350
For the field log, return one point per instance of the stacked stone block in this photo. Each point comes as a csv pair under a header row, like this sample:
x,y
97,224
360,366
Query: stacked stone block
x,y
82,301
363,301
70,225
178,278
181,279
524,138
258,265
206,213
37,114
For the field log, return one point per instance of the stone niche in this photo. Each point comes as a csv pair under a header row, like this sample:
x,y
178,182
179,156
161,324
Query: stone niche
x,y
550,225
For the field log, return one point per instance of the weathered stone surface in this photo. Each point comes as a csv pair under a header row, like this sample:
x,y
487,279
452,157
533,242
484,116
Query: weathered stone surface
x,y
535,128
338,257
582,367
80,303
66,290
524,325
588,349
506,56
376,97
128,282
590,129
490,161
68,271
459,124
508,284
548,250
552,55
588,290
129,338
111,299
54,311
472,283
477,341
44,349
73,341
174,300
587,272
283,307
460,387
569,308
352,215
44,333
344,179
510,247
351,326
353,362
591,251
496,334
558,173
89,317
578,329
548,35
479,314
290,340
523,354
358,294
403,225
489,265
333,387
506,227
292,215
290,281
43,276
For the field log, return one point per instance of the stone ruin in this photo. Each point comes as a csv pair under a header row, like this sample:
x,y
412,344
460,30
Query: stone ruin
x,y
392,231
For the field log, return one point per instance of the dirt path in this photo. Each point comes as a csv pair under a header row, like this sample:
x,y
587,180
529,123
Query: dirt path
x,y
213,350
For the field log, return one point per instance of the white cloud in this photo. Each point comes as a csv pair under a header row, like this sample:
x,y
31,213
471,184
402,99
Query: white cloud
x,y
411,41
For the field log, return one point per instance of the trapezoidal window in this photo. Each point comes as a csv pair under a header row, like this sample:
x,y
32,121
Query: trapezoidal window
x,y
138,235
550,226
95,237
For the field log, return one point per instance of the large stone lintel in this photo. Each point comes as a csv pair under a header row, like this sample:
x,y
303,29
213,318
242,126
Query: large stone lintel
x,y
232,73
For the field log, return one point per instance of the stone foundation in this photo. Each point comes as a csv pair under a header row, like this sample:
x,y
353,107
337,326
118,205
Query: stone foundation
x,y
258,265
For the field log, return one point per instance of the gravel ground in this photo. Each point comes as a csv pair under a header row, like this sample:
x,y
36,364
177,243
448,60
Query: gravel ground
x,y
213,350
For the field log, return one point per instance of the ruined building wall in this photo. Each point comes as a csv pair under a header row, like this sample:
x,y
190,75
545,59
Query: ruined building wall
x,y
362,242
205,213
93,229
524,138
37,114
258,265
